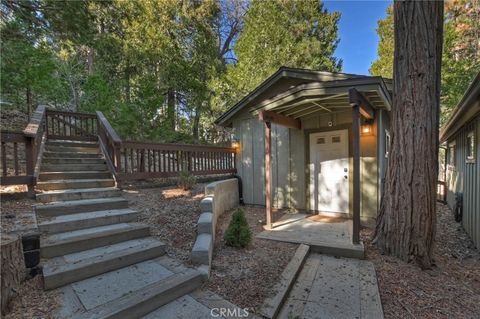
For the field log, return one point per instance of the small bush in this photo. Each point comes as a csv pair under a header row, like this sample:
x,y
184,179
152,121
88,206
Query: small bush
x,y
238,233
186,180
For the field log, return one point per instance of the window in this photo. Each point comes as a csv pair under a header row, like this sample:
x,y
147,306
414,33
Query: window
x,y
321,140
387,143
471,148
451,154
335,139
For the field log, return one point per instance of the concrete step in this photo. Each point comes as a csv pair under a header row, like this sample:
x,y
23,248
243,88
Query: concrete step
x,y
80,206
70,155
143,301
64,223
67,143
46,167
60,271
72,149
48,176
61,160
74,241
76,194
74,184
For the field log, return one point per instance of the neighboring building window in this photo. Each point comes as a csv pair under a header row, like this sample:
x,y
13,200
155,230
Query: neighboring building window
x,y
451,154
470,147
387,143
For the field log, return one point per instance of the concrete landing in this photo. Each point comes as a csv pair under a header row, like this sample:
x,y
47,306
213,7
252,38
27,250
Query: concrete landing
x,y
321,233
331,287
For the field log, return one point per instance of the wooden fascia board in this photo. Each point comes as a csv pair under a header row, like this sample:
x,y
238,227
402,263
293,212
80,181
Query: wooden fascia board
x,y
272,117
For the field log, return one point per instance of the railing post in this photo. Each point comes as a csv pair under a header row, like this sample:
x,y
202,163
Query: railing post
x,y
29,154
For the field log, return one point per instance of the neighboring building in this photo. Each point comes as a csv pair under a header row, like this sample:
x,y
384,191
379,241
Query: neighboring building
x,y
315,120
462,137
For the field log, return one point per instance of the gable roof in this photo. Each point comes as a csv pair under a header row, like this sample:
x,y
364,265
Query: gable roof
x,y
286,79
467,108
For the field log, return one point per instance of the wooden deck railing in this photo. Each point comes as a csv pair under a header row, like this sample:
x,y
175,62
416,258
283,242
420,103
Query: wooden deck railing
x,y
71,125
19,168
127,160
130,160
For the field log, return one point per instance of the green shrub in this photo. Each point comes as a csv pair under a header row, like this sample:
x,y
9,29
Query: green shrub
x,y
238,233
186,180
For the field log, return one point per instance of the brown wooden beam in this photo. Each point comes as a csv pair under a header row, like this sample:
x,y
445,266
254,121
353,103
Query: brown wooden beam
x,y
356,173
268,184
357,98
272,117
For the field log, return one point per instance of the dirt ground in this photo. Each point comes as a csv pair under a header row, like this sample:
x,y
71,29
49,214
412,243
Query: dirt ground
x,y
245,276
172,215
31,301
450,290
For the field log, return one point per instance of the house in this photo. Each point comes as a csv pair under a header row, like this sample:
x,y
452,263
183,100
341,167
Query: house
x,y
322,138
461,134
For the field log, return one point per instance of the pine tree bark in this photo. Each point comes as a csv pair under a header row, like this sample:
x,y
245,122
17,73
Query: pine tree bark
x,y
406,222
171,109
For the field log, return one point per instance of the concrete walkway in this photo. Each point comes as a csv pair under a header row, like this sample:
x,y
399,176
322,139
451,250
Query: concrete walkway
x,y
332,287
320,233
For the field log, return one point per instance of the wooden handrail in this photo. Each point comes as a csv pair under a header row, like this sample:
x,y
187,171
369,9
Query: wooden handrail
x,y
112,134
36,122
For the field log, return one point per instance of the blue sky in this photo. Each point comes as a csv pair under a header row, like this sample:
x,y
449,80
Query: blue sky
x,y
358,38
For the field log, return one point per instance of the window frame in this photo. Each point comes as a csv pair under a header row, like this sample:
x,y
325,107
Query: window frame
x,y
452,150
388,142
470,149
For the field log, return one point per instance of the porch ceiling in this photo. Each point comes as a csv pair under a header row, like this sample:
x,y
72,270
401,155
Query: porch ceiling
x,y
316,98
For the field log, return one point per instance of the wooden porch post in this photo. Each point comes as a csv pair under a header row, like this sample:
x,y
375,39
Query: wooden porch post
x,y
268,186
356,173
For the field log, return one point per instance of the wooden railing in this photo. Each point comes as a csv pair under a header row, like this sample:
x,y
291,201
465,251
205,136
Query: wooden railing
x,y
151,160
130,160
71,125
15,159
21,152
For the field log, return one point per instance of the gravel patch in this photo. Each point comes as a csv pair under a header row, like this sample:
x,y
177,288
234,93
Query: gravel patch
x,y
246,277
450,290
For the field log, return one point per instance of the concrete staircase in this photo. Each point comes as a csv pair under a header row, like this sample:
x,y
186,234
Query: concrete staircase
x,y
89,232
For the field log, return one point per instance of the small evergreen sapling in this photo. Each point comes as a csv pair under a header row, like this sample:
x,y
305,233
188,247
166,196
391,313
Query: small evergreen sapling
x,y
238,233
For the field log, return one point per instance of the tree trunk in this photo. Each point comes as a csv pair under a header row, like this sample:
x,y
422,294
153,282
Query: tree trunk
x,y
406,222
29,101
12,268
196,124
171,109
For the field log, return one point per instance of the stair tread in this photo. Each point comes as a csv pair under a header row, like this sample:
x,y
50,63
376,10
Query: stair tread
x,y
79,202
73,172
136,298
85,216
80,190
91,256
93,232
75,180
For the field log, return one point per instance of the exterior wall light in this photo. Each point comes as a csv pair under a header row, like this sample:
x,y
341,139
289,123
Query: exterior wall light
x,y
367,128
236,144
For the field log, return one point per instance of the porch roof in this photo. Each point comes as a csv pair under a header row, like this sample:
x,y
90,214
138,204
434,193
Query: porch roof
x,y
320,92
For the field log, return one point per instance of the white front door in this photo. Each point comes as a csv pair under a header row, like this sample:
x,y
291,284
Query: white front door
x,y
328,168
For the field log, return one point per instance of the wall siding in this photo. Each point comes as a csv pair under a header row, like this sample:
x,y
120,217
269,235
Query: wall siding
x,y
465,177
